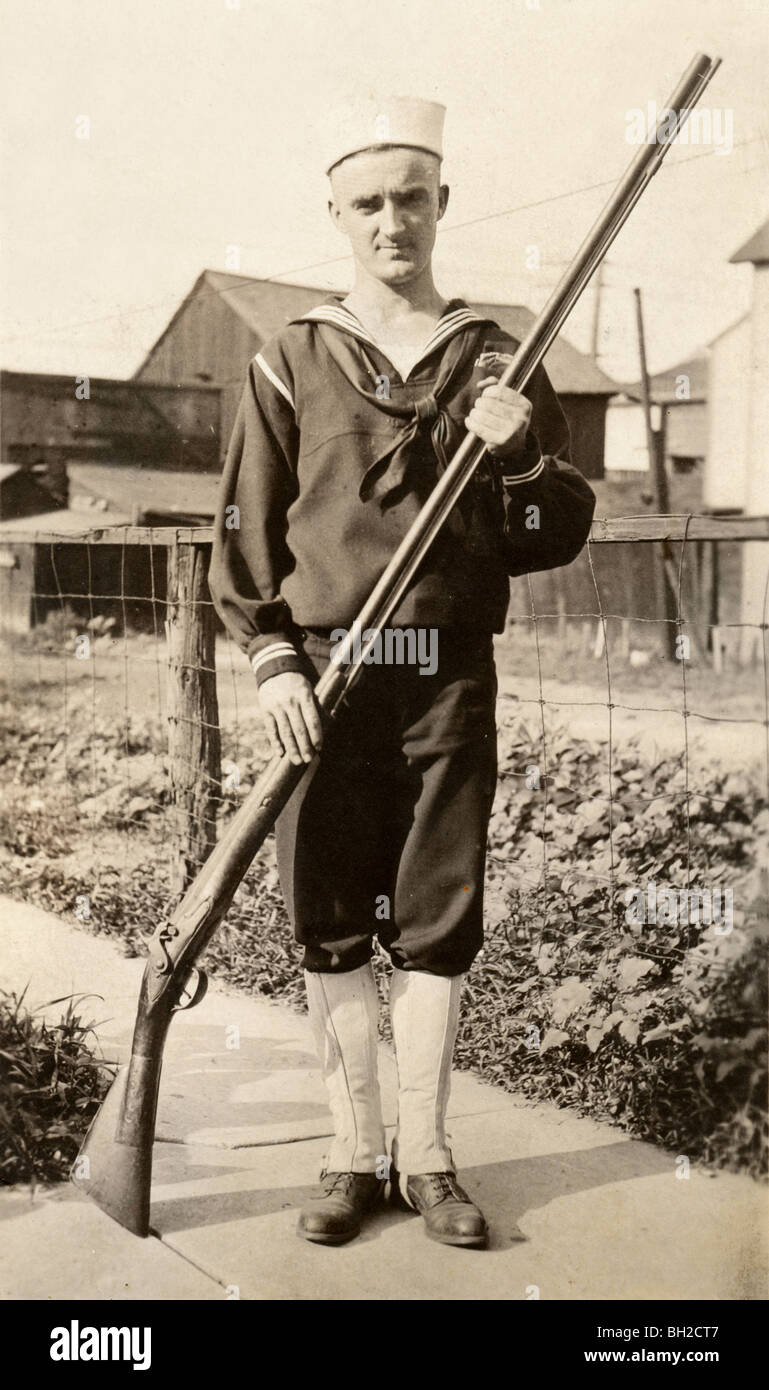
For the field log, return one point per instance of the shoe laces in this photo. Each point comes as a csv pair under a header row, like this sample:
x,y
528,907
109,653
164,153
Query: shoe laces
x,y
337,1182
445,1186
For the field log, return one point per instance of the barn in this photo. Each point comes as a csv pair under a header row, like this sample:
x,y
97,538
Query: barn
x,y
225,319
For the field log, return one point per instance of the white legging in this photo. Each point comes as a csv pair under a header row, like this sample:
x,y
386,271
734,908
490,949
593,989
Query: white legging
x,y
424,1009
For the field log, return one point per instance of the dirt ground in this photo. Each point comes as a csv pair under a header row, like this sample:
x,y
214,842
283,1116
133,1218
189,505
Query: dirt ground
x,y
559,685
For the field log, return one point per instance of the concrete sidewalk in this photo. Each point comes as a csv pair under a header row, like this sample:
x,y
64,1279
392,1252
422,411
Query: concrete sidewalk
x,y
578,1211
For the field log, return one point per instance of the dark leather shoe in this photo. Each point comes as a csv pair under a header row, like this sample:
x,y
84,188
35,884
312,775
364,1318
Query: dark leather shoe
x,y
449,1214
336,1215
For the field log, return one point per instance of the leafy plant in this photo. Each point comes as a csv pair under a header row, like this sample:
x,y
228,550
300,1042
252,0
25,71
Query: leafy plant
x,y
657,1026
51,1085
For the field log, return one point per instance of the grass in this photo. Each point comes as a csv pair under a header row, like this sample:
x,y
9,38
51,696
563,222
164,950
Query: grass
x,y
51,1085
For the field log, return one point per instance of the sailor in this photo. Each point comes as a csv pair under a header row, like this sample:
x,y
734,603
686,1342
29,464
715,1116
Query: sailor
x,y
348,416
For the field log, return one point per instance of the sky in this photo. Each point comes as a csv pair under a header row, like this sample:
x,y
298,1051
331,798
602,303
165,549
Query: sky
x,y
203,133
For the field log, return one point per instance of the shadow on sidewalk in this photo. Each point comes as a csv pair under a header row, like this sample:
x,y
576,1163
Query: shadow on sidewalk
x,y
506,1191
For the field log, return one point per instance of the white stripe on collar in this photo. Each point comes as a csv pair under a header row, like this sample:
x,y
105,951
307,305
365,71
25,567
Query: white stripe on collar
x,y
341,317
448,327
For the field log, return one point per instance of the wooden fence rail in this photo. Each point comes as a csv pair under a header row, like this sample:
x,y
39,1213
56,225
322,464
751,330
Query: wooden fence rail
x,y
604,531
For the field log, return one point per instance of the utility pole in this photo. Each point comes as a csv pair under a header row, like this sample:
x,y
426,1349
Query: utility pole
x,y
655,444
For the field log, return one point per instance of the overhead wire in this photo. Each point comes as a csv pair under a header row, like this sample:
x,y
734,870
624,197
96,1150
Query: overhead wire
x,y
336,260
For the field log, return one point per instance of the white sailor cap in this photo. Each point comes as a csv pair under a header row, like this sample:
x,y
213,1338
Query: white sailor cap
x,y
369,122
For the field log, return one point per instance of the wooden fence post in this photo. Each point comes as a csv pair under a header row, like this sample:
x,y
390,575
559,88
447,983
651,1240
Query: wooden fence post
x,y
194,742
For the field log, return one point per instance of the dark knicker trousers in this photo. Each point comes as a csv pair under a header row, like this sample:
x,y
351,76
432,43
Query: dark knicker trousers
x,y
386,834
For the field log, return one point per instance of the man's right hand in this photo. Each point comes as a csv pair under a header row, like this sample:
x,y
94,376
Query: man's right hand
x,y
291,716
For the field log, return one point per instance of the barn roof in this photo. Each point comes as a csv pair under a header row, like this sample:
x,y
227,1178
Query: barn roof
x,y
66,521
755,249
662,386
571,372
166,491
266,306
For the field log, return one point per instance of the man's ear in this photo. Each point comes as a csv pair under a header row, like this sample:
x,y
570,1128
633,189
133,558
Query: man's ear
x,y
334,212
443,199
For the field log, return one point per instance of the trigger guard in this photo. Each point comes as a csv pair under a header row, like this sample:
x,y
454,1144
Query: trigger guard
x,y
193,990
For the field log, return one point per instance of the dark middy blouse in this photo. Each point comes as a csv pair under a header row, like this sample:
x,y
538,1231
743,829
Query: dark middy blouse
x,y
332,456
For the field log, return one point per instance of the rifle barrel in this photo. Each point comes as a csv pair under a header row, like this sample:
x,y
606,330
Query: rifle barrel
x,y
401,569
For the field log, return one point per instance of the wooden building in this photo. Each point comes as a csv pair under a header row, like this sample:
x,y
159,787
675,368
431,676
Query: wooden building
x,y
680,404
225,319
726,460
80,452
755,556
682,394
46,421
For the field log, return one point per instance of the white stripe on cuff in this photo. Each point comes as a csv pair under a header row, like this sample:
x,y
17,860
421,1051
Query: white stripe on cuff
x,y
511,478
270,653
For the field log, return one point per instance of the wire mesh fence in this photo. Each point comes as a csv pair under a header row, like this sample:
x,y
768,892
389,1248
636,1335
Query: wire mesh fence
x,y
623,968
128,710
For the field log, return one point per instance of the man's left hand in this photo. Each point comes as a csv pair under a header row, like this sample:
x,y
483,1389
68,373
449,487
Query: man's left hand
x,y
500,417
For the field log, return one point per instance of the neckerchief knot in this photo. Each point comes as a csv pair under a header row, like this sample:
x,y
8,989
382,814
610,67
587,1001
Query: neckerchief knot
x,y
426,410
388,470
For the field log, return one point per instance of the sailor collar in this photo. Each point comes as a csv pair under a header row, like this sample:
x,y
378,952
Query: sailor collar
x,y
455,317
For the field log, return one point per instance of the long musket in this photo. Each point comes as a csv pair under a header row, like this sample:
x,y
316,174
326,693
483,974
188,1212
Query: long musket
x,y
115,1163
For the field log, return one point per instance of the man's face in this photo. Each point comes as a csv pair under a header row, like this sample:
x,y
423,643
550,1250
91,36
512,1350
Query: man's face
x,y
388,202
